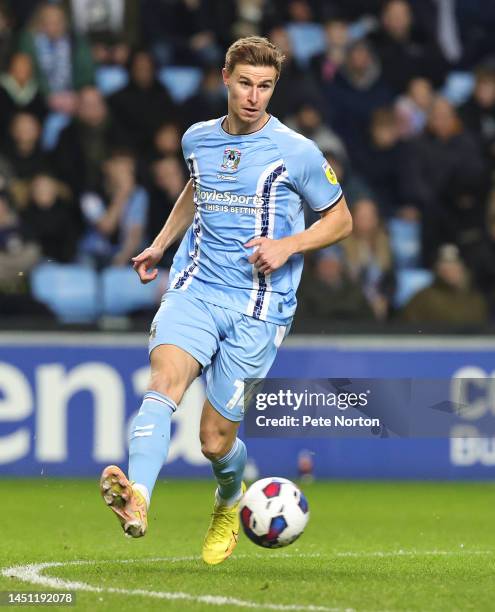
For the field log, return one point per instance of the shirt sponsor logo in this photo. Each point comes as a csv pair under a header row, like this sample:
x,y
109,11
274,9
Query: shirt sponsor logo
x,y
204,196
238,210
226,177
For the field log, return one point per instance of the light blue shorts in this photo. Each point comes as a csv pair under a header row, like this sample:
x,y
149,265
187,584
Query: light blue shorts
x,y
230,346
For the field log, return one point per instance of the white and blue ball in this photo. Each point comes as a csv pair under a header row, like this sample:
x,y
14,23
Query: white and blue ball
x,y
274,512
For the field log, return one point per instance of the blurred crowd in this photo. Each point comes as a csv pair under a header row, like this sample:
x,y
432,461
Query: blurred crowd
x,y
398,94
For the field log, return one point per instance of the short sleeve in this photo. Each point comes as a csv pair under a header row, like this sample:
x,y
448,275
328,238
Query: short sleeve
x,y
315,179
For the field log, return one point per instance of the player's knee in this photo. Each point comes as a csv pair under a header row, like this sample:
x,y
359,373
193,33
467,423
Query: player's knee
x,y
214,446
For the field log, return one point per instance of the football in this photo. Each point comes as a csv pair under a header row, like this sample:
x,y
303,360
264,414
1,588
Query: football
x,y
274,512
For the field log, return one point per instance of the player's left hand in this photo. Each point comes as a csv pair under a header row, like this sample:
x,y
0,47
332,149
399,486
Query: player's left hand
x,y
270,254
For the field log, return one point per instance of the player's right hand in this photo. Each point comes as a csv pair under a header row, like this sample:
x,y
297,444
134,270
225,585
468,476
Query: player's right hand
x,y
144,264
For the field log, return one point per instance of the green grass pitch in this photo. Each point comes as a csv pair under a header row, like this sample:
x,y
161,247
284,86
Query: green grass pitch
x,y
368,547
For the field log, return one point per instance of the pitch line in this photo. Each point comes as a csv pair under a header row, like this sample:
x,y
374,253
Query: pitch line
x,y
33,574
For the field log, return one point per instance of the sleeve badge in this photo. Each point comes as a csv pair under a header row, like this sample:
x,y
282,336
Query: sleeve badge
x,y
329,173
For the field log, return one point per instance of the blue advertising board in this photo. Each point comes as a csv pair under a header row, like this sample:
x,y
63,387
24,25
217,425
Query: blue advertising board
x,y
66,402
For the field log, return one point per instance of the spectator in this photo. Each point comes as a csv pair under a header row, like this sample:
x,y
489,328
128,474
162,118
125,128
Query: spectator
x,y
209,102
116,218
294,85
357,90
143,104
86,142
326,65
277,12
22,153
413,107
479,255
308,121
450,299
19,92
62,60
17,256
478,113
49,219
5,34
405,53
369,257
355,10
443,176
249,17
305,30
187,32
379,166
476,21
442,20
328,293
167,141
168,180
302,11
112,28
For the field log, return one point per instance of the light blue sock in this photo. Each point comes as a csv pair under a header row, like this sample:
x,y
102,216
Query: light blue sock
x,y
150,439
229,471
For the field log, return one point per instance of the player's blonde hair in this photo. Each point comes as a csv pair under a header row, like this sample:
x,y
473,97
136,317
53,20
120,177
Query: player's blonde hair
x,y
255,51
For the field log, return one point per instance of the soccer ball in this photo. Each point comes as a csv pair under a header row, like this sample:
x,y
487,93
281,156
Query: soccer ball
x,y
273,512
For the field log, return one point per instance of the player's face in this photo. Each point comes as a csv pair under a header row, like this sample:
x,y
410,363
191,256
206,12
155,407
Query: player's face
x,y
250,89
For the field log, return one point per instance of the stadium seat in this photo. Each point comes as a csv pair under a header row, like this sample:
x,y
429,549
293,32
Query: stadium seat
x,y
409,282
52,126
70,290
110,79
123,292
182,82
405,242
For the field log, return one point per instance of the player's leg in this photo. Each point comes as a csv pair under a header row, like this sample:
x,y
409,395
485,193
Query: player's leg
x,y
183,338
172,371
247,350
227,453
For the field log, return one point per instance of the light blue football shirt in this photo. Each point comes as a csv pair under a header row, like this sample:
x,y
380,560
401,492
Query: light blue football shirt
x,y
248,186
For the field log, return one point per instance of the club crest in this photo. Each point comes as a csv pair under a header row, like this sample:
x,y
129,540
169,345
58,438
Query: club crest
x,y
231,159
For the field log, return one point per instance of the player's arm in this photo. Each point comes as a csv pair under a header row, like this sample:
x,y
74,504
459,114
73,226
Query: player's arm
x,y
334,225
178,221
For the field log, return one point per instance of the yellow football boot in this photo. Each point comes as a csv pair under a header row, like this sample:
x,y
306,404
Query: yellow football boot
x,y
127,503
223,532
